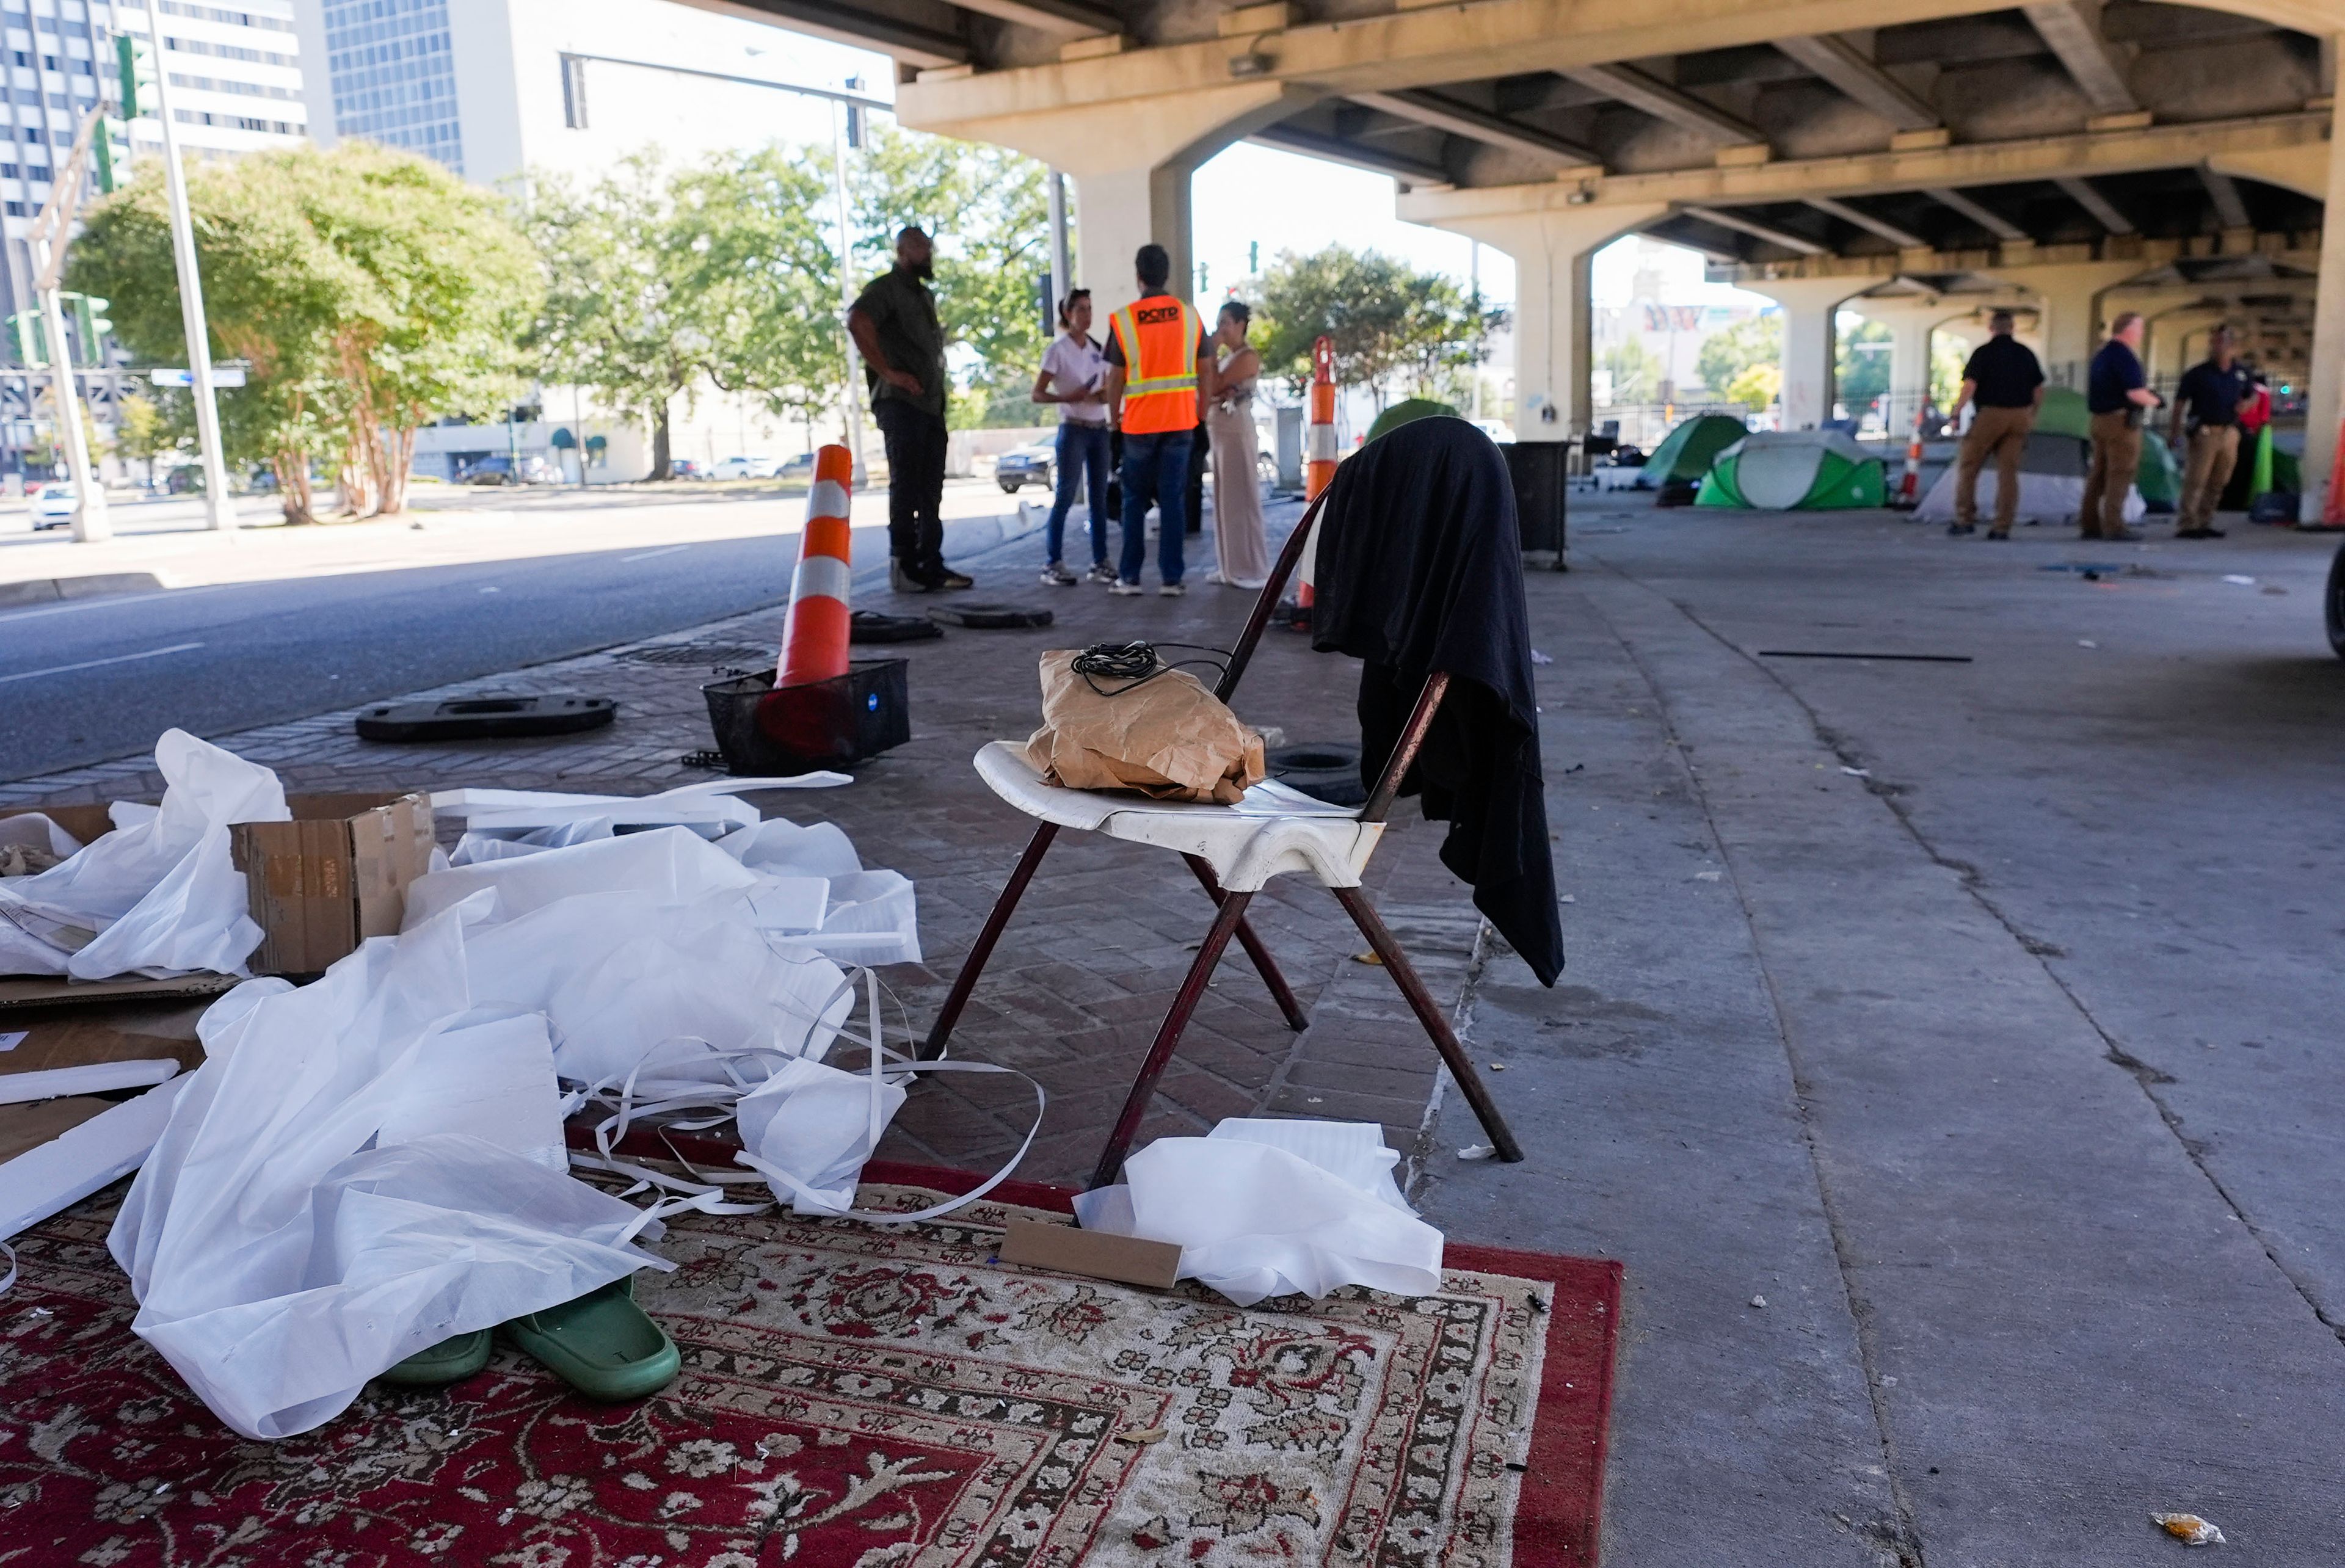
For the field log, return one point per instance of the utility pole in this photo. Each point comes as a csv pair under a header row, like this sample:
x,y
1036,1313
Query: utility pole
x,y
1474,269
47,243
852,400
1062,263
220,507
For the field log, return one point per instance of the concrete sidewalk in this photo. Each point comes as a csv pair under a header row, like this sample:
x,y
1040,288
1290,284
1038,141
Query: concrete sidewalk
x,y
1979,1018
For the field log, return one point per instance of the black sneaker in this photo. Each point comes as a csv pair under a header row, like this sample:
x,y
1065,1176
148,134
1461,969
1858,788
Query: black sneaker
x,y
903,580
1958,529
944,577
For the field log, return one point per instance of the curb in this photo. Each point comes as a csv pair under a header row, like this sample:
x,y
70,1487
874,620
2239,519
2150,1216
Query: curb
x,y
96,585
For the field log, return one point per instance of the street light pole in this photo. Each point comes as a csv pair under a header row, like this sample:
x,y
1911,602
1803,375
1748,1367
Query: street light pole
x,y
846,291
219,509
46,243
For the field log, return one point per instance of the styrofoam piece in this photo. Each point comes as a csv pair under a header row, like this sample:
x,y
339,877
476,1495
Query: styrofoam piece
x,y
90,1078
305,1221
811,1128
711,804
1355,1151
158,895
76,1163
1245,846
790,905
1254,1221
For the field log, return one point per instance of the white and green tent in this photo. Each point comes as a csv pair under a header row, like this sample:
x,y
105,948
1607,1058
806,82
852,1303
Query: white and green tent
x,y
1793,470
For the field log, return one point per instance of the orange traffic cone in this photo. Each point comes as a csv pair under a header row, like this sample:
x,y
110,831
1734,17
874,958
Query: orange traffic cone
x,y
813,638
1909,487
1319,470
2332,511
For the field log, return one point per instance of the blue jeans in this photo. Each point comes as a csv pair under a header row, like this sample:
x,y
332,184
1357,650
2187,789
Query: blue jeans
x,y
1083,455
1155,468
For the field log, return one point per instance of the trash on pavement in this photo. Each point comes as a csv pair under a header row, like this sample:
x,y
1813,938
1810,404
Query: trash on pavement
x,y
160,895
2242,580
83,1157
362,1168
2188,1529
335,875
1263,1208
1477,1151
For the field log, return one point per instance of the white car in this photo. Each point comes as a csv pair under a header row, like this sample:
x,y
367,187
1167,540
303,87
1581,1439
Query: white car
x,y
52,505
748,468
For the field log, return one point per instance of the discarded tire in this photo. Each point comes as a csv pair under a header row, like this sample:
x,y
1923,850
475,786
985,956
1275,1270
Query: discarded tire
x,y
990,617
1323,770
485,718
871,626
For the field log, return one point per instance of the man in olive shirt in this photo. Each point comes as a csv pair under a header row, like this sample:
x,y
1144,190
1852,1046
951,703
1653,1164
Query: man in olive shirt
x,y
2210,394
894,327
2007,384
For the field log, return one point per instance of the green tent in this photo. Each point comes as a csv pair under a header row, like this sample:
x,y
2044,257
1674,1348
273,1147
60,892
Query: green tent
x,y
1686,453
1406,410
2155,476
1793,470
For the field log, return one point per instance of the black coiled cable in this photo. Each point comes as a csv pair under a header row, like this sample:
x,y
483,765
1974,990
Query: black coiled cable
x,y
1137,663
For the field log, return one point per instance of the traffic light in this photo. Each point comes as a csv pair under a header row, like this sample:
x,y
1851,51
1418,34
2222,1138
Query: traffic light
x,y
112,146
90,321
134,59
31,338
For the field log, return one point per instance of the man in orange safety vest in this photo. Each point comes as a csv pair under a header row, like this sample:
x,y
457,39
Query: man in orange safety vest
x,y
1159,379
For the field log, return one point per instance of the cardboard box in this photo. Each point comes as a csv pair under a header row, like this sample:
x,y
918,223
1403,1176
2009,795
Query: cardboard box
x,y
1094,1254
334,876
317,885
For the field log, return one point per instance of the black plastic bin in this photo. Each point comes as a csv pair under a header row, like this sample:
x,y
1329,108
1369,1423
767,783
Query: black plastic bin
x,y
1539,470
834,724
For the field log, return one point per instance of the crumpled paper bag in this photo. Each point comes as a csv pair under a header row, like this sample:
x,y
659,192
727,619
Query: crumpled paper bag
x,y
1168,737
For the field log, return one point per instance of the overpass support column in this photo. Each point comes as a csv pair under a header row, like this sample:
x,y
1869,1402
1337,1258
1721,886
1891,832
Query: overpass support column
x,y
1551,242
1911,323
1809,340
2324,402
2072,322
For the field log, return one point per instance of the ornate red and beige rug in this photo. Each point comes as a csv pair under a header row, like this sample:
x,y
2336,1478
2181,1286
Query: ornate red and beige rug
x,y
858,1397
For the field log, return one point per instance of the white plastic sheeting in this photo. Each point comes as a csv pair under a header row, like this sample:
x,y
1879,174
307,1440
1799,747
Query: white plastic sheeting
x,y
1263,1208
158,895
362,1168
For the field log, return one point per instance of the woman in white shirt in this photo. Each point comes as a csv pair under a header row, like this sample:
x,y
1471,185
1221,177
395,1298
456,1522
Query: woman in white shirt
x,y
1073,370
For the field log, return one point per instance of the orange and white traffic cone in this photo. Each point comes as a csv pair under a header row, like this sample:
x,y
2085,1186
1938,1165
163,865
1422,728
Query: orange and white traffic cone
x,y
2332,509
814,637
1909,487
1319,466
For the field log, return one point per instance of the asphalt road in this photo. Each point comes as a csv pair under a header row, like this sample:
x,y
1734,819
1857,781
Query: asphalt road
x,y
86,680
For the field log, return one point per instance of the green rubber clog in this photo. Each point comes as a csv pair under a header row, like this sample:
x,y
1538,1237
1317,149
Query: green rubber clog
x,y
602,1345
449,1362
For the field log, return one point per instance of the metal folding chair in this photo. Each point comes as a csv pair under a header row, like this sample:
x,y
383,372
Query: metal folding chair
x,y
1234,851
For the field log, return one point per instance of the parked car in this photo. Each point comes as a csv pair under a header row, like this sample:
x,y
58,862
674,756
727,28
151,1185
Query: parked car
x,y
529,468
1023,466
685,468
52,505
748,468
798,467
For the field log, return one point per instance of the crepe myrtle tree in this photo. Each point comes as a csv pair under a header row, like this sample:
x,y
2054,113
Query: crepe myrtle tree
x,y
1391,324
369,291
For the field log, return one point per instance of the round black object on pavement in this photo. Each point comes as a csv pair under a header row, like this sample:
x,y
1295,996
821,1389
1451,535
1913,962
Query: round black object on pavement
x,y
1323,770
871,626
485,718
989,617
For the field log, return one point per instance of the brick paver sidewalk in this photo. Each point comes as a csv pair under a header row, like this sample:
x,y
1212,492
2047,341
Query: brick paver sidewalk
x,y
1088,967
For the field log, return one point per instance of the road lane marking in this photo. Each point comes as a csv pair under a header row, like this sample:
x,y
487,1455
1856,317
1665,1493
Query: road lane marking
x,y
647,555
94,663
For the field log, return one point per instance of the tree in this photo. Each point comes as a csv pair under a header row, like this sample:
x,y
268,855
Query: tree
x,y
619,306
1861,366
988,210
1724,355
1635,370
765,279
139,434
1385,318
367,291
1756,386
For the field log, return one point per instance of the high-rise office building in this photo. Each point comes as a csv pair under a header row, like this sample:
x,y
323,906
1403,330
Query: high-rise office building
x,y
236,86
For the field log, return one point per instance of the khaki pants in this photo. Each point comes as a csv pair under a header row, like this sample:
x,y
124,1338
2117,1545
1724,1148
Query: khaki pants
x,y
2214,449
2002,433
2117,456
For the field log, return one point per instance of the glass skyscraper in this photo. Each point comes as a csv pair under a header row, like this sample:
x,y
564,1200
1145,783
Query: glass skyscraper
x,y
393,76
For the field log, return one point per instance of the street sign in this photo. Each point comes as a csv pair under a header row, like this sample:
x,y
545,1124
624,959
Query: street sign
x,y
222,375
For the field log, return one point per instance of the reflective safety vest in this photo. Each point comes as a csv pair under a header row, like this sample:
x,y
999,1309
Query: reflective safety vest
x,y
1159,336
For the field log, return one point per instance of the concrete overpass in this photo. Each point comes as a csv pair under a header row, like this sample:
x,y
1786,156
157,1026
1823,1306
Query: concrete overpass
x,y
1907,159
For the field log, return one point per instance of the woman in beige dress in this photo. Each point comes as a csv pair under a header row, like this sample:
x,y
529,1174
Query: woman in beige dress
x,y
1242,554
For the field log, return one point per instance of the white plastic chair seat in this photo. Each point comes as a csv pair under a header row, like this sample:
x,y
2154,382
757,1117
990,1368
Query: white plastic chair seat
x,y
1272,830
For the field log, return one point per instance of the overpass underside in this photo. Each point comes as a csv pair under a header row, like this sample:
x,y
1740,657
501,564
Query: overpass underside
x,y
1915,161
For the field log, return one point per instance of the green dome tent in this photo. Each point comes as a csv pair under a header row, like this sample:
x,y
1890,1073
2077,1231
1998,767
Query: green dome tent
x,y
1686,453
2156,476
1403,411
1793,470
